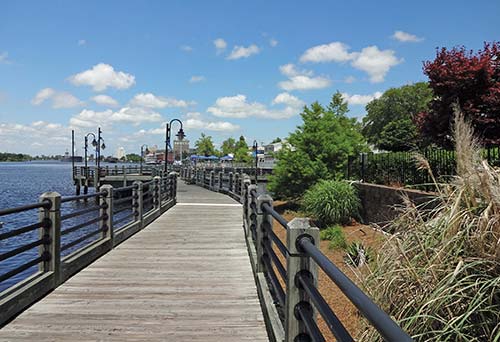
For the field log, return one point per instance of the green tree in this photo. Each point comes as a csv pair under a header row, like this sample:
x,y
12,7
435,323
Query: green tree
x,y
277,140
394,113
205,146
321,146
228,146
241,151
135,158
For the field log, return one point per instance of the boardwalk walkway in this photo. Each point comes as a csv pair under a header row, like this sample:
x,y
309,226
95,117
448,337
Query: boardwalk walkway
x,y
185,277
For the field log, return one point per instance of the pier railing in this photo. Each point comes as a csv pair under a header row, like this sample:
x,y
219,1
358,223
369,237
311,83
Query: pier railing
x,y
65,234
287,271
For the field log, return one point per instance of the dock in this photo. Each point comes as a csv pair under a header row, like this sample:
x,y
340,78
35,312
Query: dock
x,y
185,277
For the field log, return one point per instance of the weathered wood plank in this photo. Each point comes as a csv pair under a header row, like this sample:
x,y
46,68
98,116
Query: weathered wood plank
x,y
186,277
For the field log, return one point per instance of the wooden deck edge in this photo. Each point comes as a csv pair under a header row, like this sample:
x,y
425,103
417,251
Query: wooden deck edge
x,y
25,294
274,327
18,298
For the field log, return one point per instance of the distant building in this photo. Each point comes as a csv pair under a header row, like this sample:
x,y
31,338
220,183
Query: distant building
x,y
181,149
120,153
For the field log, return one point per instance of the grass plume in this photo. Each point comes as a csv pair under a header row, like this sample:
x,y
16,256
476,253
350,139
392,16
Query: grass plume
x,y
439,274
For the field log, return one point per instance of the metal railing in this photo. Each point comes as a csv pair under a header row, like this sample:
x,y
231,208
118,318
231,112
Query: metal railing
x,y
73,231
290,267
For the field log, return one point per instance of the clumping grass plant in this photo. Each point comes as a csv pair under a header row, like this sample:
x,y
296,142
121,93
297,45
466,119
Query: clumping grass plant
x,y
336,237
357,254
439,274
331,202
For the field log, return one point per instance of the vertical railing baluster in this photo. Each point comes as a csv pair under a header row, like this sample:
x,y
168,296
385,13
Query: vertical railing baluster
x,y
138,203
264,220
221,180
157,192
252,211
106,204
298,263
51,232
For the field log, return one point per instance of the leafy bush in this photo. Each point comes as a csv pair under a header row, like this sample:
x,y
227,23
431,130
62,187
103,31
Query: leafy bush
x,y
331,202
335,235
358,254
318,149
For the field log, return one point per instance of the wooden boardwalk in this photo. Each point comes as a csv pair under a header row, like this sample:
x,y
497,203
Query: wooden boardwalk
x,y
185,277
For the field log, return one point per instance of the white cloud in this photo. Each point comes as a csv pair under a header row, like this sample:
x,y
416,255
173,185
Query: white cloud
x,y
301,79
82,42
361,99
289,100
44,136
273,42
243,52
4,58
221,126
220,45
375,62
186,48
102,76
149,100
333,52
406,37
132,115
60,99
238,107
105,100
196,79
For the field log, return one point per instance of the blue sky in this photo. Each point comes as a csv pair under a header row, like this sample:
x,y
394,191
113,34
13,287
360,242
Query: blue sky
x,y
226,68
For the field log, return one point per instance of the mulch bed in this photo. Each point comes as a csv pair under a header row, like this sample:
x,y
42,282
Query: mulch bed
x,y
342,307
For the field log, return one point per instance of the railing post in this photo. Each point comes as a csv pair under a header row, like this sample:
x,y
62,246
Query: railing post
x,y
51,252
297,262
245,183
252,211
221,174
212,180
237,184
106,211
230,182
264,220
138,203
173,185
157,193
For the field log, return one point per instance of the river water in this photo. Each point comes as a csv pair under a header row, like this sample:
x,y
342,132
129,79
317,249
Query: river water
x,y
23,183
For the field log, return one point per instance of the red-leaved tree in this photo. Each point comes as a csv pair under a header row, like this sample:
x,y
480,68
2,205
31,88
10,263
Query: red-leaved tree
x,y
471,80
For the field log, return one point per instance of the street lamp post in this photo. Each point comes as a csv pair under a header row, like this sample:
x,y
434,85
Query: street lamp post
x,y
180,135
98,153
94,143
255,146
142,154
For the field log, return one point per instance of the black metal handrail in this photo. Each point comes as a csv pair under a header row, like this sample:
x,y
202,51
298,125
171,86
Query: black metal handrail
x,y
82,212
261,233
81,225
381,321
25,229
9,211
270,210
80,197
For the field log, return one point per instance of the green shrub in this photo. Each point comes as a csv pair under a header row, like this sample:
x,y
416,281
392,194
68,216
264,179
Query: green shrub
x,y
331,202
358,254
335,235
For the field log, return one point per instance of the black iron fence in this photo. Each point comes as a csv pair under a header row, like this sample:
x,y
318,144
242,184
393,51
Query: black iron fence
x,y
403,168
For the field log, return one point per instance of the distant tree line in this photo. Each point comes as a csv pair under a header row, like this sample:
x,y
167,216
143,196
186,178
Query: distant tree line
x,y
14,157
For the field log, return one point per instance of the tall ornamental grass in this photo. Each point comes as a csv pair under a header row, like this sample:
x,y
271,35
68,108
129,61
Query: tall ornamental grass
x,y
331,202
439,275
